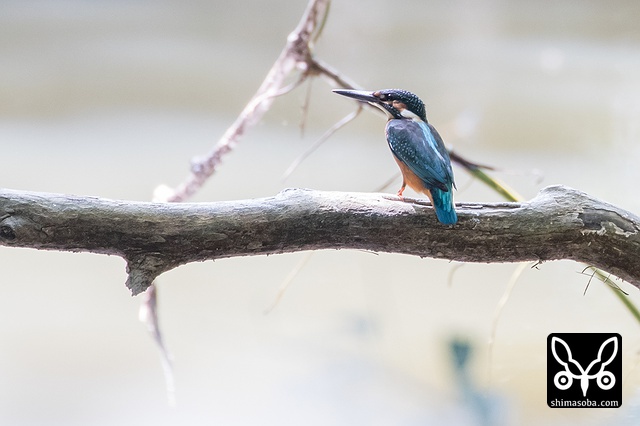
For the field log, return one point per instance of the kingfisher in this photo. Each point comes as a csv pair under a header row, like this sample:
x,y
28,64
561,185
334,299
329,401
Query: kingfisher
x,y
416,146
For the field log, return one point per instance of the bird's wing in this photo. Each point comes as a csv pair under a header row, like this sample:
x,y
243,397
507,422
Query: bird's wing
x,y
420,147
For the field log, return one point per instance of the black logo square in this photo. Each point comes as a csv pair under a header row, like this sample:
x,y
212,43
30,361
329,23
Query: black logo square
x,y
584,370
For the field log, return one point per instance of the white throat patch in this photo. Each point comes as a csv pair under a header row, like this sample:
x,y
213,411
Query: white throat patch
x,y
408,114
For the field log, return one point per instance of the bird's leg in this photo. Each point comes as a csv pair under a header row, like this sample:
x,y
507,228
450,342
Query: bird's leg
x,y
401,190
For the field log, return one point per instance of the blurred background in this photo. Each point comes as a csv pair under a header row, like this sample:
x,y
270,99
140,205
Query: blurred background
x,y
113,98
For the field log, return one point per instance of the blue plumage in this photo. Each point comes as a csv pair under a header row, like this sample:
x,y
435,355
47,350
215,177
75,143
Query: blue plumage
x,y
443,204
418,145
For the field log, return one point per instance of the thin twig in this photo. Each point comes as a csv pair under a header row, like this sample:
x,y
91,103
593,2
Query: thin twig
x,y
288,280
337,126
452,272
500,306
148,315
305,107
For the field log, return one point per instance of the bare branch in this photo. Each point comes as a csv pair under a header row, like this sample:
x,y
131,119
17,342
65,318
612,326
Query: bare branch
x,y
560,223
296,55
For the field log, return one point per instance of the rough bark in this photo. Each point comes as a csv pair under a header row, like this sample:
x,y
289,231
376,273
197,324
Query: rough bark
x,y
559,223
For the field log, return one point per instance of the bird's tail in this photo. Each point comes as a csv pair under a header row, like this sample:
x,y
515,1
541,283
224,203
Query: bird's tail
x,y
443,204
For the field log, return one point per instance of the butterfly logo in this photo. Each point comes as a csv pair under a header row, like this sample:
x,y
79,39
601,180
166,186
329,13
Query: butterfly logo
x,y
573,370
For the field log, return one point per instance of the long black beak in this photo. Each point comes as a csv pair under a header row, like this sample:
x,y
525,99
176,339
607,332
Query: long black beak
x,y
361,95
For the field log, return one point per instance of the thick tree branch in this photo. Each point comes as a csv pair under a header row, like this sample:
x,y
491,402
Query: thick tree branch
x,y
560,223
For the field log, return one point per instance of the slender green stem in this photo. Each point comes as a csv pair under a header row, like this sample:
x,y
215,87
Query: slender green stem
x,y
500,187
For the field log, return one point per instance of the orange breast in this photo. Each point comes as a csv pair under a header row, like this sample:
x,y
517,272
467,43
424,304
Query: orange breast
x,y
411,179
